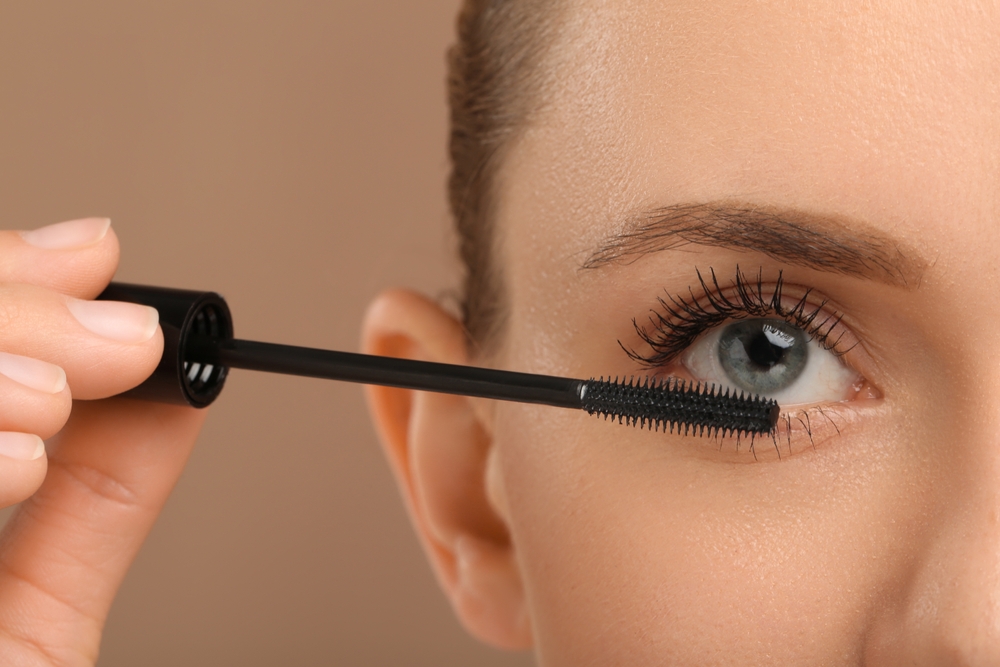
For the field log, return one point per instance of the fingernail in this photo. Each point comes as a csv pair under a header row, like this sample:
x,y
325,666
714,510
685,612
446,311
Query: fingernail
x,y
71,234
34,373
116,320
24,446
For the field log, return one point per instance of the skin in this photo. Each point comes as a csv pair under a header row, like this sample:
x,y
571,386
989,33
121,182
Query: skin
x,y
598,544
90,502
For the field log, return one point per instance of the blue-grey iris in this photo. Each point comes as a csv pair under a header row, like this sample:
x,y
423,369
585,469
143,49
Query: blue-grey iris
x,y
763,355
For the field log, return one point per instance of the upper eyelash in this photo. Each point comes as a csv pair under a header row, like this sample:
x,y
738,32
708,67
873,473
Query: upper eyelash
x,y
680,321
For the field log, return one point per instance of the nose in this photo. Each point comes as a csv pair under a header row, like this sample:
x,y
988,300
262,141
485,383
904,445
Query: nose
x,y
947,609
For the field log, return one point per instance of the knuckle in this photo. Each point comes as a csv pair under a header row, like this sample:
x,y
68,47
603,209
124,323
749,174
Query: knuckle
x,y
11,313
98,483
20,308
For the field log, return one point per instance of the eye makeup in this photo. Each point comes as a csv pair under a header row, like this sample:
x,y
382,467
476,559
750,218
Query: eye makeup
x,y
752,336
679,321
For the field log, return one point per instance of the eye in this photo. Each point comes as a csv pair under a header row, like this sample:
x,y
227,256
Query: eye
x,y
773,358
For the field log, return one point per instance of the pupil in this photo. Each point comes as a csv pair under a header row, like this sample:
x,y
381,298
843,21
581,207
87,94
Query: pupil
x,y
763,353
763,356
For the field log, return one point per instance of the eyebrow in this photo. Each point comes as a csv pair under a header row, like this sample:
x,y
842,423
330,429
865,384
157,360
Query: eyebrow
x,y
826,243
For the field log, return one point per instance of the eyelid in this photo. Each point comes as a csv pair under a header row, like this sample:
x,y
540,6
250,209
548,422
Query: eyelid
x,y
801,427
846,343
712,306
825,319
679,321
826,322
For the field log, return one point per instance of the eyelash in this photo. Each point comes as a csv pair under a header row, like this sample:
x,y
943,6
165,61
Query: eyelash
x,y
680,321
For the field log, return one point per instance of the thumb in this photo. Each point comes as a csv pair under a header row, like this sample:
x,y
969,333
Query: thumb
x,y
65,552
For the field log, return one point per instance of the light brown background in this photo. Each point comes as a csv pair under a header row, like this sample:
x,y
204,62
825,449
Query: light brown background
x,y
290,155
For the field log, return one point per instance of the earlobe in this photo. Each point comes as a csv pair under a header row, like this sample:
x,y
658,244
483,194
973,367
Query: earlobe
x,y
438,447
489,596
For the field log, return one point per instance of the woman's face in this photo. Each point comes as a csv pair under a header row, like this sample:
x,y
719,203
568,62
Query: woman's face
x,y
855,149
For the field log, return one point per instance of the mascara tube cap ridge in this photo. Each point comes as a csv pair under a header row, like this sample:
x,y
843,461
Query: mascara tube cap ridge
x,y
182,313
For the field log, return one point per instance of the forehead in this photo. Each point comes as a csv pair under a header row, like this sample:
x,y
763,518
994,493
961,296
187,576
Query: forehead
x,y
883,111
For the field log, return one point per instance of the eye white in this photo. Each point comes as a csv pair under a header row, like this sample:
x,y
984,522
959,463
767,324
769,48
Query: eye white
x,y
825,377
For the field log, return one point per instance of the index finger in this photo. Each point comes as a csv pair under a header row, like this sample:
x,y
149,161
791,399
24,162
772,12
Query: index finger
x,y
77,257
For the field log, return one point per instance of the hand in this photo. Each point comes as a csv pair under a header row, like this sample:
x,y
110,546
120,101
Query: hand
x,y
111,464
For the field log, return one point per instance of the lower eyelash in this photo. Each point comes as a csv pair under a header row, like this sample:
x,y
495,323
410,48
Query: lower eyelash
x,y
681,320
779,440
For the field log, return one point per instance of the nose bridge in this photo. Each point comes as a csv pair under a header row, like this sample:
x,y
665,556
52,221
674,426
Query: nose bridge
x,y
946,607
947,610
958,585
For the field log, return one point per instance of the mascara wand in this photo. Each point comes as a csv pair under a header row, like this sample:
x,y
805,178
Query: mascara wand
x,y
199,349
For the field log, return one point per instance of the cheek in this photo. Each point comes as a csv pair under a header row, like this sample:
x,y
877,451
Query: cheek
x,y
633,554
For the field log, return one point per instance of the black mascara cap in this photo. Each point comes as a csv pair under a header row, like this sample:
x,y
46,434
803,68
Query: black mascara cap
x,y
182,313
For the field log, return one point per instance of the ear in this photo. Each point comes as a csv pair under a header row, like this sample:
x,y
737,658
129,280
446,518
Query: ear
x,y
439,448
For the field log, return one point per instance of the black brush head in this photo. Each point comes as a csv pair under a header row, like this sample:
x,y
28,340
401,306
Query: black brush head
x,y
674,403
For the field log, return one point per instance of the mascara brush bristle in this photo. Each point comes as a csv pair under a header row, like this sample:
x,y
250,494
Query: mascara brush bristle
x,y
675,403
